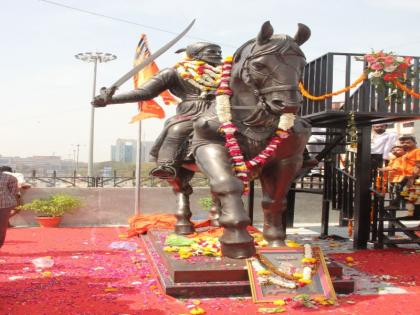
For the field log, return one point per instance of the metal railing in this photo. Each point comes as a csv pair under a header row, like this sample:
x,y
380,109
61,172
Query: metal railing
x,y
321,74
75,180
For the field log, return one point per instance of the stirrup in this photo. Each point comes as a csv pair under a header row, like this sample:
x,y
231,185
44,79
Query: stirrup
x,y
164,172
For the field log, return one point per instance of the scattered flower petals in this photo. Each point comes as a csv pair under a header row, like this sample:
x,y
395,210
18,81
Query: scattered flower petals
x,y
13,278
197,311
111,289
271,310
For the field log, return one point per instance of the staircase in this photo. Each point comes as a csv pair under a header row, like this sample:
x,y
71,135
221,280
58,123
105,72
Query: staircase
x,y
348,188
387,221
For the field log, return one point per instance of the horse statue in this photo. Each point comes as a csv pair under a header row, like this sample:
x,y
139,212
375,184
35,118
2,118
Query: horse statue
x,y
264,78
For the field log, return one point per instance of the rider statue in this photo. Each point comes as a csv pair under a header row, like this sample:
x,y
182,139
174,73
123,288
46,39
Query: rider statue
x,y
194,81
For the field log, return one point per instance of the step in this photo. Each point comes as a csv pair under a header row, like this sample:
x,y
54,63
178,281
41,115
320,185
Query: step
x,y
393,208
406,218
402,241
412,229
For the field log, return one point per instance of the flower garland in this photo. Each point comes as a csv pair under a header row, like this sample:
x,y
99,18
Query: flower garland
x,y
384,70
306,94
200,74
223,110
288,277
406,89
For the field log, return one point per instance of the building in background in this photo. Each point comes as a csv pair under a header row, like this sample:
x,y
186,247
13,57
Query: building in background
x,y
41,164
406,128
125,150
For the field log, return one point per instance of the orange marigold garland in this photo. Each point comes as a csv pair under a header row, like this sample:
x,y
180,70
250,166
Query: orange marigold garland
x,y
328,95
406,89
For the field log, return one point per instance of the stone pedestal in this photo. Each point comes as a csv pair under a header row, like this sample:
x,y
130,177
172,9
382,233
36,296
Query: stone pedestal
x,y
210,276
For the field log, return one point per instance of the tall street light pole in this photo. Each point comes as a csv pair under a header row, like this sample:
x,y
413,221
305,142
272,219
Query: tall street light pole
x,y
94,57
76,156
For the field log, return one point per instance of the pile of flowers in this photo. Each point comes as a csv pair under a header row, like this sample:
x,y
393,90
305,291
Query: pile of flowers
x,y
201,245
383,69
197,246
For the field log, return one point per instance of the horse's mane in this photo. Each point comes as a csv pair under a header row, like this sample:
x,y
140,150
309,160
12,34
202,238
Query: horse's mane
x,y
279,43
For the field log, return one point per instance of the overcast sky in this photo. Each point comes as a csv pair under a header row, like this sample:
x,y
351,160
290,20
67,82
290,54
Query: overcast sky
x,y
46,92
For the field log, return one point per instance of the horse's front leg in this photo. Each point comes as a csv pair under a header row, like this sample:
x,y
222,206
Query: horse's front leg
x,y
214,162
215,211
276,179
182,190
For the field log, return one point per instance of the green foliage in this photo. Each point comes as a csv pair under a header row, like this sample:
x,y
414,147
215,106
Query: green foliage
x,y
54,206
206,203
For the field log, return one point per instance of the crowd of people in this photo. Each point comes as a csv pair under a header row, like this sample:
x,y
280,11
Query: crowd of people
x,y
398,161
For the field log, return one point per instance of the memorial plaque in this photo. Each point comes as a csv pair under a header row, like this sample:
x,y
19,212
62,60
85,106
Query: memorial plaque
x,y
290,259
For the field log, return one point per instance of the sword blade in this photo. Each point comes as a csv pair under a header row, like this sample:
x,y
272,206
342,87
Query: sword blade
x,y
151,58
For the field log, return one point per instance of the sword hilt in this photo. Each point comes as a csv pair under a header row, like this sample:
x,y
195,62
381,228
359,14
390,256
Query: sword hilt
x,y
105,96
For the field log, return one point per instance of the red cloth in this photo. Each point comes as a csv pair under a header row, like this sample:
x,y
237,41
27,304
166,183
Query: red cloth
x,y
140,224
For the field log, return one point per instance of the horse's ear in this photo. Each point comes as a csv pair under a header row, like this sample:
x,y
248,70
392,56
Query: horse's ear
x,y
265,33
302,34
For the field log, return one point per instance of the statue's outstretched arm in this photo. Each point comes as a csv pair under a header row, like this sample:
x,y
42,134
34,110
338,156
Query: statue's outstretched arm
x,y
152,88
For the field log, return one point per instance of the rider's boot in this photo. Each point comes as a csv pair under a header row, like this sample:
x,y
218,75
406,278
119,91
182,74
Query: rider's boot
x,y
164,171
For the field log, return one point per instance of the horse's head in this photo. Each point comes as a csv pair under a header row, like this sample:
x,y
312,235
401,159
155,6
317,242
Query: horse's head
x,y
272,65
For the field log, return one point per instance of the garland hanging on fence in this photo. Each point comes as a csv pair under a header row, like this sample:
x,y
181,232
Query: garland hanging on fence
x,y
384,70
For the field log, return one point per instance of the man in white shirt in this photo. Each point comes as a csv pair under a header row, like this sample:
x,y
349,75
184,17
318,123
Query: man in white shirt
x,y
23,186
381,145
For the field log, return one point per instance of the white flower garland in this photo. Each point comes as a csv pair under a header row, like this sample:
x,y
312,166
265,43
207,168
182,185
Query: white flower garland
x,y
200,74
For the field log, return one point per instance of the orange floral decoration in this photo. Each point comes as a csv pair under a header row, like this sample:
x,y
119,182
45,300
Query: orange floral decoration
x,y
406,89
328,95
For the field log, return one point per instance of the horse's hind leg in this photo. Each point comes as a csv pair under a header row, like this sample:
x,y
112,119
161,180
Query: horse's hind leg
x,y
276,179
214,162
182,189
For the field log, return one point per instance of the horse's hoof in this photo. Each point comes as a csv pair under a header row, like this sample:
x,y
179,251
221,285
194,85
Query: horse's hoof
x,y
238,250
184,229
276,243
215,222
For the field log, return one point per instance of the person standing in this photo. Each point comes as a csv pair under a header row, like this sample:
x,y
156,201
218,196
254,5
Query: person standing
x,y
8,192
395,174
381,144
411,172
411,159
23,187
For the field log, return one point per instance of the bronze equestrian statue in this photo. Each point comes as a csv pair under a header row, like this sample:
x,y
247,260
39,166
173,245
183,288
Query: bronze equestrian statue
x,y
264,80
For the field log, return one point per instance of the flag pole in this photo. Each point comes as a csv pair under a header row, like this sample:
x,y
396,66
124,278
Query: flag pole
x,y
138,173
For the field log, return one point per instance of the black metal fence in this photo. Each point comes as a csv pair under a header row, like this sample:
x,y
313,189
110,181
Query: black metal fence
x,y
75,180
334,71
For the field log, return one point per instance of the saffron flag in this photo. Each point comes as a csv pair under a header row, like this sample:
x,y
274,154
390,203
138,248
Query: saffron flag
x,y
149,108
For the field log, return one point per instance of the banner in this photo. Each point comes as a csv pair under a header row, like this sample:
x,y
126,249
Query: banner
x,y
149,108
